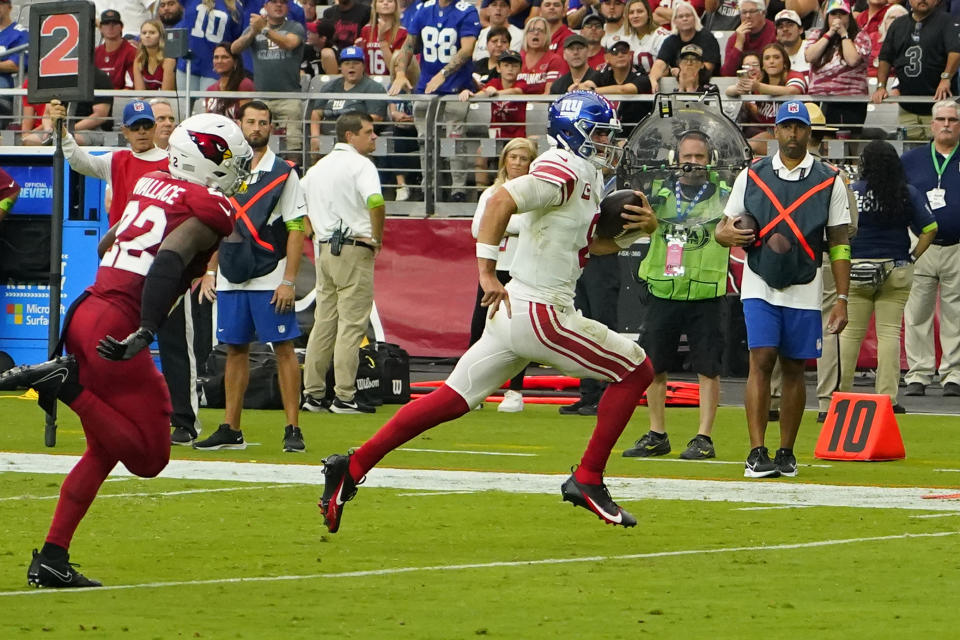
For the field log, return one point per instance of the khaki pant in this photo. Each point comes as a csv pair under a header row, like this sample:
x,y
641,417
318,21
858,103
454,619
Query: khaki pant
x,y
344,303
937,270
288,114
828,375
915,127
887,302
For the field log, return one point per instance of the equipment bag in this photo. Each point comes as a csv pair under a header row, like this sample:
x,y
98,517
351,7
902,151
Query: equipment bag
x,y
383,375
263,391
394,365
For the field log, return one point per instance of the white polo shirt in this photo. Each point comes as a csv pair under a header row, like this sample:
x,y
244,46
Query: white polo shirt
x,y
797,296
290,207
338,188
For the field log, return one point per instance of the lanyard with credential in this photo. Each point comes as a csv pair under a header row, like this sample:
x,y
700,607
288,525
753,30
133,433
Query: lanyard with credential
x,y
681,213
940,168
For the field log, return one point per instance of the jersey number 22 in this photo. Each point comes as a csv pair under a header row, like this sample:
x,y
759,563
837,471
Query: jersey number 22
x,y
138,231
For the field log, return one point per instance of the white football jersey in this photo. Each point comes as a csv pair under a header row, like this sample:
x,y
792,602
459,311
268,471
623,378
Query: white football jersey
x,y
552,245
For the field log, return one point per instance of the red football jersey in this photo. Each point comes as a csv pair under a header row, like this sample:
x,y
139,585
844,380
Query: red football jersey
x,y
117,64
370,42
549,68
158,204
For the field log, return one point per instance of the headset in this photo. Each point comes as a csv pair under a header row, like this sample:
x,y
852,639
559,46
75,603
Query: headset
x,y
713,156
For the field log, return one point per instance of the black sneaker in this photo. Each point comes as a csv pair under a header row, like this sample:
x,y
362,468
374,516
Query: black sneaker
x,y
44,572
571,409
352,406
596,498
651,444
951,390
699,448
899,408
183,436
773,416
915,389
589,409
45,378
822,417
223,438
786,462
293,439
338,488
759,464
314,404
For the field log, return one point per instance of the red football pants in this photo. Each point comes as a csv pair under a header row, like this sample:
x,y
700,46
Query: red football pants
x,y
124,409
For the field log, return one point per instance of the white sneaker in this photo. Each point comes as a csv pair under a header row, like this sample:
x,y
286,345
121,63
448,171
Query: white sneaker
x,y
512,402
403,194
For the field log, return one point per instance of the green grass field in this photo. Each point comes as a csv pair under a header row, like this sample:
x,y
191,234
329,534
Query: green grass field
x,y
714,556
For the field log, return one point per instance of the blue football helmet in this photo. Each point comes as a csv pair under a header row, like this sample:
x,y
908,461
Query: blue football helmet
x,y
579,120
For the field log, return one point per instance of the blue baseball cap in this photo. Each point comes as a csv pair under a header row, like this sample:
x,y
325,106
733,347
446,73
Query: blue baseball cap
x,y
793,110
351,53
136,111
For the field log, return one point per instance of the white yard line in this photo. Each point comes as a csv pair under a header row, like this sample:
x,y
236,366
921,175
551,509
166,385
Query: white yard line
x,y
691,462
482,565
785,506
154,494
420,494
785,491
474,453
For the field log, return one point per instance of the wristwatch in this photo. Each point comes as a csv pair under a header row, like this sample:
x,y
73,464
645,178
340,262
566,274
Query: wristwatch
x,y
945,76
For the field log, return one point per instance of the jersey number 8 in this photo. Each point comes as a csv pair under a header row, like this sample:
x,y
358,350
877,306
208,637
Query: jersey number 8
x,y
439,45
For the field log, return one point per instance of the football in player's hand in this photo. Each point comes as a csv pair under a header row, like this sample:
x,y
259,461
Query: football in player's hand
x,y
747,222
610,224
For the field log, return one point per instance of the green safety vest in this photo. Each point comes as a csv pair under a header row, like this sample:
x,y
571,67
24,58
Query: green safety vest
x,y
704,260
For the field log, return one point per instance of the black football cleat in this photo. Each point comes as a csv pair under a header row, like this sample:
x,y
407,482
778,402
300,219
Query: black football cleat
x,y
56,574
45,378
338,488
596,498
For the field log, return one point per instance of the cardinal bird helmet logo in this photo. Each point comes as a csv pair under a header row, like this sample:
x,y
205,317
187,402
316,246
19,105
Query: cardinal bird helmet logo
x,y
213,147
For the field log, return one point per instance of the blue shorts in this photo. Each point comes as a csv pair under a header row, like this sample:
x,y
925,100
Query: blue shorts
x,y
796,333
245,316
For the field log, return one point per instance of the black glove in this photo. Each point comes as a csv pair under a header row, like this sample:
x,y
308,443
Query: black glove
x,y
112,349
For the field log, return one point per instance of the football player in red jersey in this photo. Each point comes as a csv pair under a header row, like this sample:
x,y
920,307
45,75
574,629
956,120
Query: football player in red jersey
x,y
170,226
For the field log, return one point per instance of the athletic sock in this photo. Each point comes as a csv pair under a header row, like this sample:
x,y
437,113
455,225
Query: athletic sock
x,y
69,391
658,436
613,412
414,418
54,552
77,493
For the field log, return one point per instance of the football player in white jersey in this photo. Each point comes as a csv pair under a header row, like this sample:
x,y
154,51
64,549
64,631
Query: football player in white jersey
x,y
533,318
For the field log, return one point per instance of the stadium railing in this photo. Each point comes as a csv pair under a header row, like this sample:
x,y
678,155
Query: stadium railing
x,y
437,139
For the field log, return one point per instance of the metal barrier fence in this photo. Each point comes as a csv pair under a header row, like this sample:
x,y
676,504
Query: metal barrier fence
x,y
449,143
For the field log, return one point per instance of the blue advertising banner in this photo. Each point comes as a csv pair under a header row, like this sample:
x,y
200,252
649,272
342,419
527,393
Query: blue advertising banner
x,y
36,189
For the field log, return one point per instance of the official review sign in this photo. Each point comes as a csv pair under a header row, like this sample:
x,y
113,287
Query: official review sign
x,y
61,52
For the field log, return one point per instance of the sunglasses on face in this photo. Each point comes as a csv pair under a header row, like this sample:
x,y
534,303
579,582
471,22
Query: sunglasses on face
x,y
141,125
